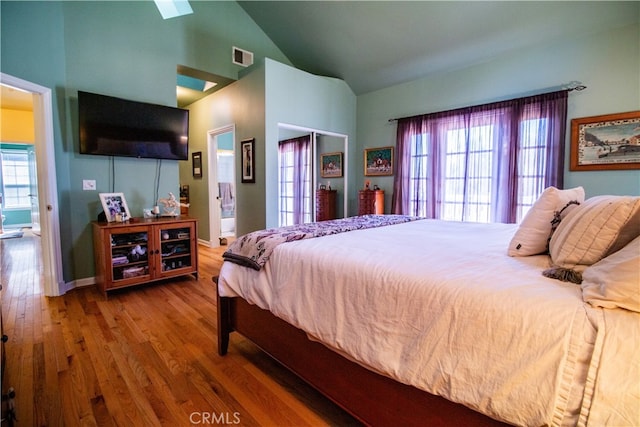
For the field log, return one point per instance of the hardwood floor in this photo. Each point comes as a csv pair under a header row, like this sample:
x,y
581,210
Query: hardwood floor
x,y
141,357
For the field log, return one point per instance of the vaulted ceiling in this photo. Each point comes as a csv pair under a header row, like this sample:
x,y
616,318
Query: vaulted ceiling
x,y
376,44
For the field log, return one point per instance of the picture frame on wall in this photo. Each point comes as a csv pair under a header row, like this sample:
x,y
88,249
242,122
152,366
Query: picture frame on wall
x,y
331,165
196,160
114,204
605,142
248,160
378,161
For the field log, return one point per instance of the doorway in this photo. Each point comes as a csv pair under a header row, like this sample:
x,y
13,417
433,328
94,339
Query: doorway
x,y
47,192
222,185
33,191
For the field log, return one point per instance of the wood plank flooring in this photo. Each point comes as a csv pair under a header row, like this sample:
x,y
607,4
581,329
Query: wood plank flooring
x,y
143,356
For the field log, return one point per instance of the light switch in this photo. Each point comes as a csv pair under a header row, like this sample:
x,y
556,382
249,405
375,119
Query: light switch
x,y
88,184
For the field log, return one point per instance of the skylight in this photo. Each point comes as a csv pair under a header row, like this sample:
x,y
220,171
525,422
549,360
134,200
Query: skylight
x,y
172,8
195,83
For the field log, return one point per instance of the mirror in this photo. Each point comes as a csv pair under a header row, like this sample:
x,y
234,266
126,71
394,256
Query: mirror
x,y
333,149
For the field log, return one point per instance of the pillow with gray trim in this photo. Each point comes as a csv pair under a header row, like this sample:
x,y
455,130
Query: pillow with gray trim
x,y
533,233
599,227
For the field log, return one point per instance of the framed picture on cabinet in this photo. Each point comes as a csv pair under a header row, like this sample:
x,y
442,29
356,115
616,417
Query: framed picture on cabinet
x,y
606,142
378,161
248,160
331,165
114,206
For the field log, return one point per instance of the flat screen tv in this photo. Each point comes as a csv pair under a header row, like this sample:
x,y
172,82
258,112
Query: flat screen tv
x,y
112,126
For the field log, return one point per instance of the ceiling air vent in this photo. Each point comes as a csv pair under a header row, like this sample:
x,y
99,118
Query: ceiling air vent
x,y
242,57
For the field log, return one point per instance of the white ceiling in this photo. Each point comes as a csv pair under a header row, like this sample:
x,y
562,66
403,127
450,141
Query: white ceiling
x,y
376,44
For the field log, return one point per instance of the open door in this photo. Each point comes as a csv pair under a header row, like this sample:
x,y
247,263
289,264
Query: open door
x,y
53,282
33,192
222,185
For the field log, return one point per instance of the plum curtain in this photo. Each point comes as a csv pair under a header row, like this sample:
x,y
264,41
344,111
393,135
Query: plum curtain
x,y
295,180
485,163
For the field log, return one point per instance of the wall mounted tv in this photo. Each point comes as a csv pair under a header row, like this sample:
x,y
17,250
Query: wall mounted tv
x,y
118,127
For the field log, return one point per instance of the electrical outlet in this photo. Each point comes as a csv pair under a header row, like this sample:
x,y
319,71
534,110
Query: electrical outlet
x,y
88,184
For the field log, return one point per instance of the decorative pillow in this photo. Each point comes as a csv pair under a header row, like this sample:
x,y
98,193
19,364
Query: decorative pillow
x,y
534,232
615,280
600,226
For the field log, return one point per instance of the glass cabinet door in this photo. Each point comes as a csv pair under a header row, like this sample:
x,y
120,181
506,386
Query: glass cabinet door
x,y
129,255
175,247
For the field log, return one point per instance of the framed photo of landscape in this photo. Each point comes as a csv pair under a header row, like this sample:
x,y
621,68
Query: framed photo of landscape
x,y
606,142
378,161
331,165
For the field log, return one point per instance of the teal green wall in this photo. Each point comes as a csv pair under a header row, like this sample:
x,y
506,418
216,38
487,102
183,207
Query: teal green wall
x,y
126,49
268,93
240,104
298,98
225,142
123,49
607,63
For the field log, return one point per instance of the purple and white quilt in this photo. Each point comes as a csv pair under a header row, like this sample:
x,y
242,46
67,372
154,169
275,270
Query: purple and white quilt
x,y
253,249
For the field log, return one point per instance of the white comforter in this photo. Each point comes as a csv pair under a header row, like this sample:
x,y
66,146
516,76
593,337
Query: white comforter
x,y
440,306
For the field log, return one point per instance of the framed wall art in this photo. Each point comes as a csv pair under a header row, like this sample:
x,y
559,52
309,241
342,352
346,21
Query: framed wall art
x,y
606,142
378,161
196,159
331,165
114,204
248,160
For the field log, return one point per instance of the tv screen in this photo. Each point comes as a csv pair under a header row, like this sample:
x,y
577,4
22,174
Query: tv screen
x,y
118,127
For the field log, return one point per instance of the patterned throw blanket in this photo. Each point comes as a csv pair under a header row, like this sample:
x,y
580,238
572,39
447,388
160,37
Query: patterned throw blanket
x,y
253,250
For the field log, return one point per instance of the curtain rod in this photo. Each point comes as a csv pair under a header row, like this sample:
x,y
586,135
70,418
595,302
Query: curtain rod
x,y
577,87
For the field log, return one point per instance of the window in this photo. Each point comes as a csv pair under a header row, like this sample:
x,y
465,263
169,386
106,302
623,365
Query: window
x,y
15,179
532,165
468,170
295,181
483,164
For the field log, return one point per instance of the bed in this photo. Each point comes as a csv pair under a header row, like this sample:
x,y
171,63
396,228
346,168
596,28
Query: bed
x,y
415,321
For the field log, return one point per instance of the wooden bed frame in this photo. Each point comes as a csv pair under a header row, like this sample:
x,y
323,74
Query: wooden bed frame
x,y
370,397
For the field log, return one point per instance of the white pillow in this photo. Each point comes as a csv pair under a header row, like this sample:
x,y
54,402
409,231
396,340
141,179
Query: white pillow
x,y
615,280
534,232
599,227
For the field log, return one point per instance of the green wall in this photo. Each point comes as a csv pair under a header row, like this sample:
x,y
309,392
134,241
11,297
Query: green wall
x,y
268,93
607,63
298,98
126,49
240,104
123,49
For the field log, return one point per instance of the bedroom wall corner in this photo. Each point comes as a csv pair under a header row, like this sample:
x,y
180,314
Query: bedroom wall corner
x,y
299,98
608,63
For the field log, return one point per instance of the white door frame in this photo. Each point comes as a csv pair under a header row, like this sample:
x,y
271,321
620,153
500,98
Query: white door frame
x,y
214,197
53,281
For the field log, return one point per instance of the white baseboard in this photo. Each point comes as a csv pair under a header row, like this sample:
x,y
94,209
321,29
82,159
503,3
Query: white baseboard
x,y
87,281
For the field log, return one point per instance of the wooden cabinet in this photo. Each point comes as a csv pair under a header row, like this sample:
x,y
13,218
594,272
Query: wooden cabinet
x,y
143,250
371,202
326,204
